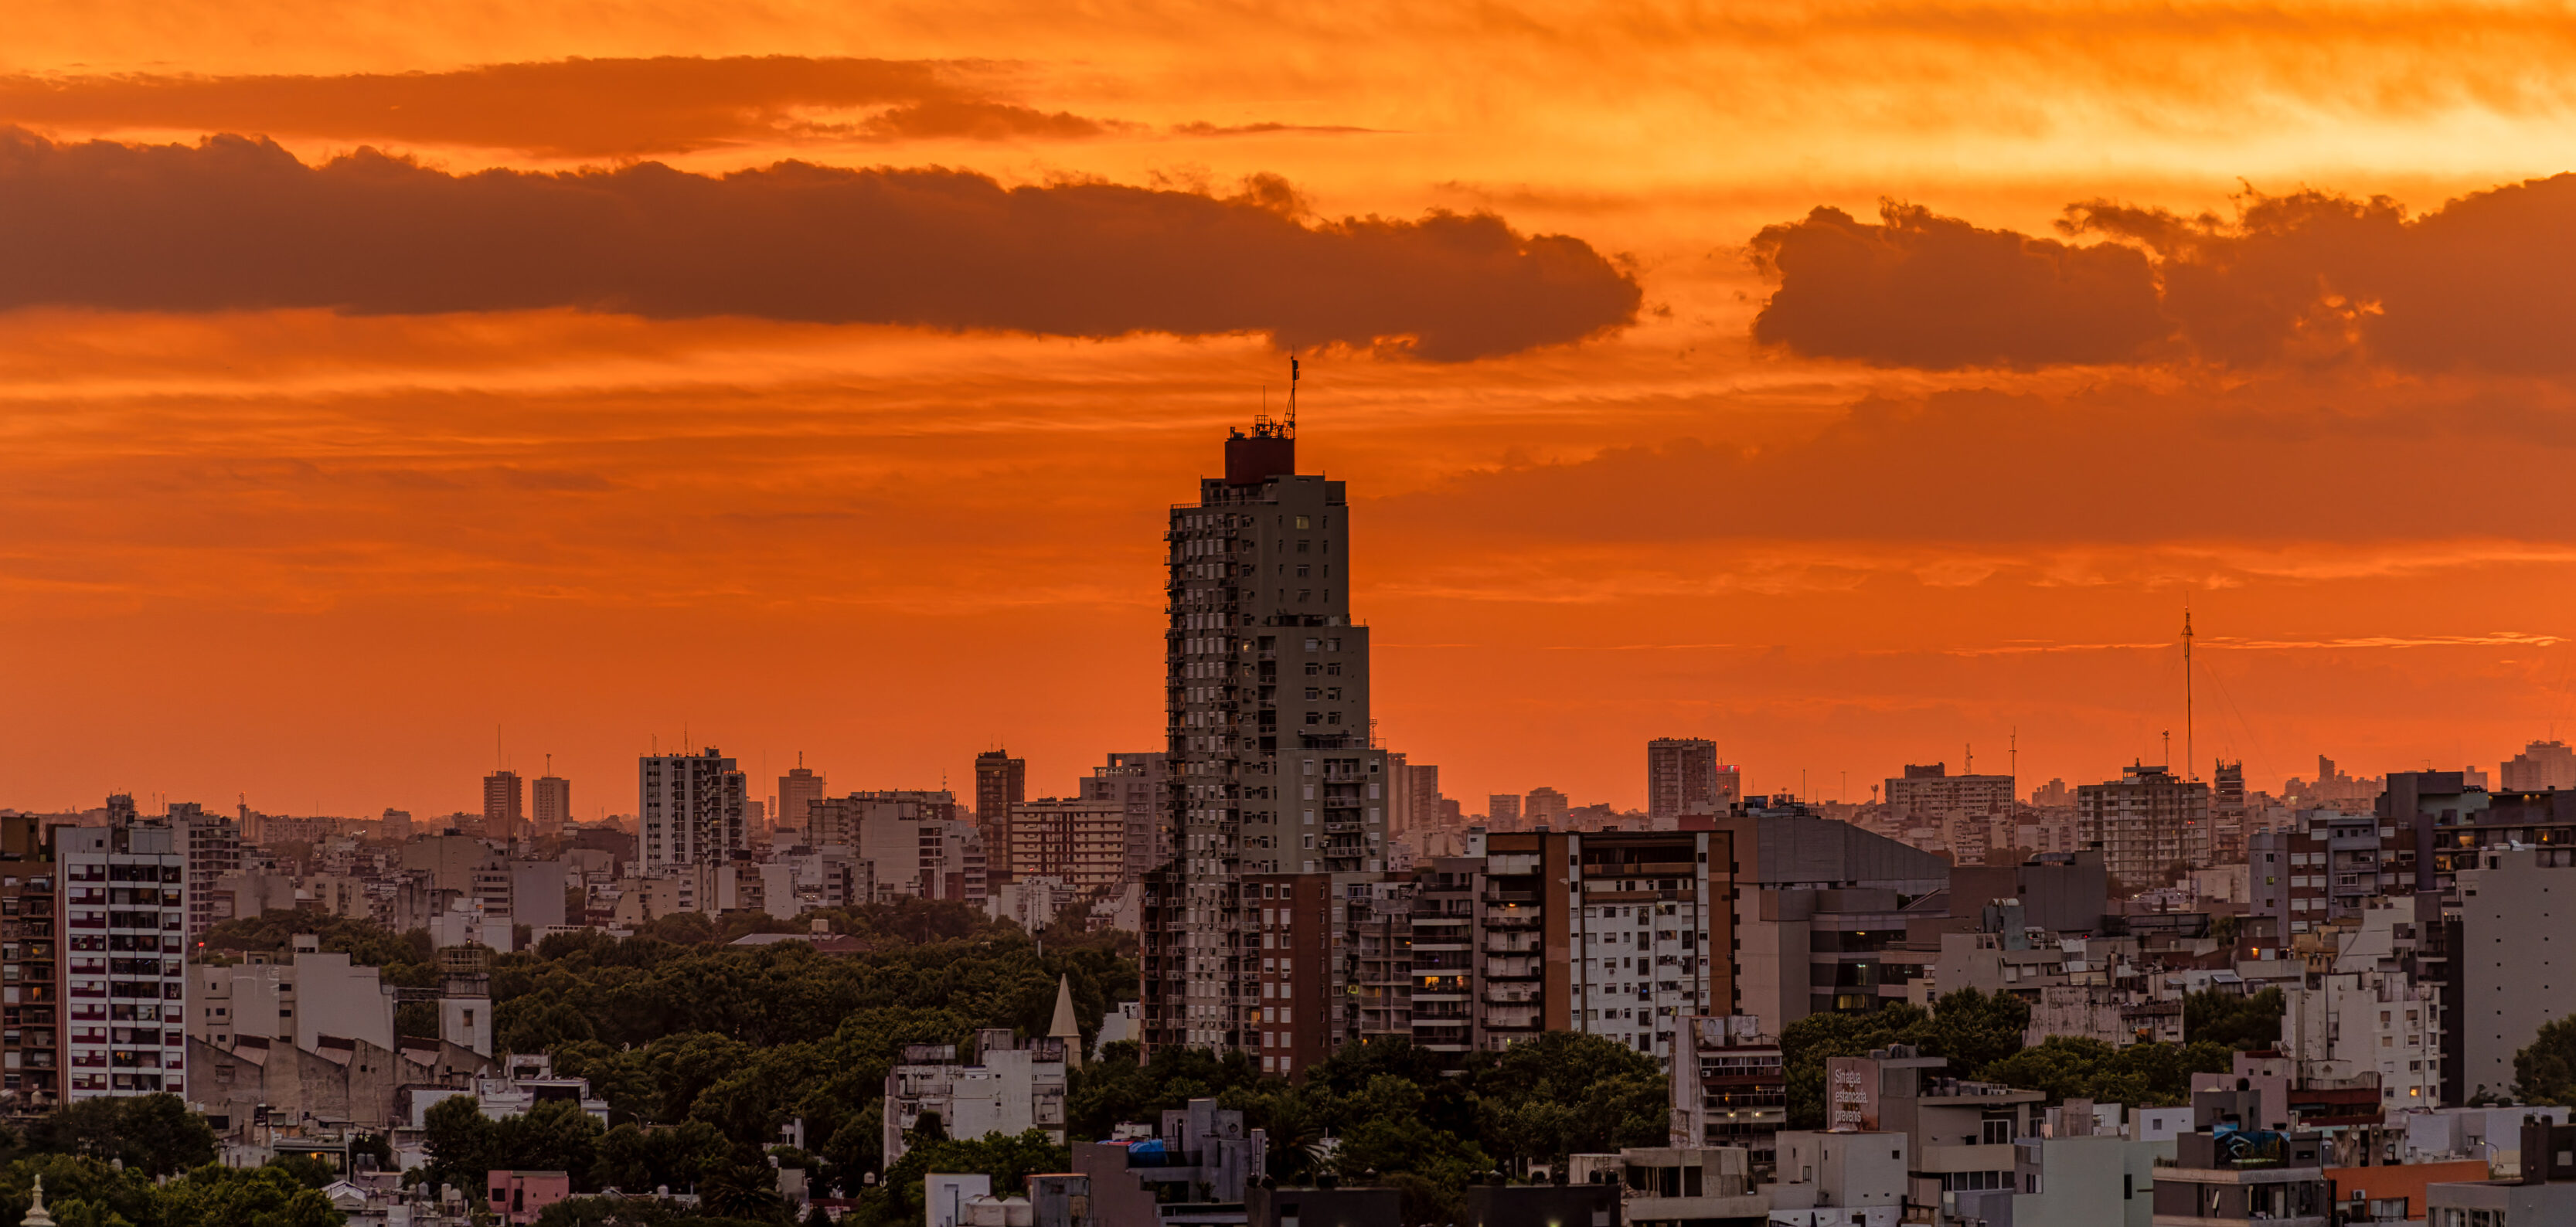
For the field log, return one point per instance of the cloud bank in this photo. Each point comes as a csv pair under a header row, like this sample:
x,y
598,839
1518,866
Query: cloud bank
x,y
566,108
2485,283
232,223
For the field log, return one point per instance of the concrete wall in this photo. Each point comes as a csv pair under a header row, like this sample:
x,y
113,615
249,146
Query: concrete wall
x,y
2517,959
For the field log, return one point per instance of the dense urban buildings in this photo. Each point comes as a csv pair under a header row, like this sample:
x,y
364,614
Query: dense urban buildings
x,y
2542,764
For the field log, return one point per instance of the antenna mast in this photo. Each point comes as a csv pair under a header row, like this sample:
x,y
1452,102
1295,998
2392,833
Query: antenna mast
x,y
1291,422
2190,765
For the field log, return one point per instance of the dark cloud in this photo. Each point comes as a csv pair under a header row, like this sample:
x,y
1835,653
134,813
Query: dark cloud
x,y
1921,290
232,223
589,108
2486,283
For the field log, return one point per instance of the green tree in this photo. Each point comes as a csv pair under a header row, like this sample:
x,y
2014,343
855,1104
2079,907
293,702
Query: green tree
x,y
2241,1023
1009,1159
2545,1072
464,1144
155,1134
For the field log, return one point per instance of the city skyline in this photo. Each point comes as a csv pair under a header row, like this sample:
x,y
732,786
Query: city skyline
x,y
1701,488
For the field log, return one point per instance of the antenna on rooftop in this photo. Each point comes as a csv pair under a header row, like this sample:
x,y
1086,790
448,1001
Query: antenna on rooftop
x,y
1290,424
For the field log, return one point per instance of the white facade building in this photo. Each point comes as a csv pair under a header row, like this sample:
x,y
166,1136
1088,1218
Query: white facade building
x,y
125,978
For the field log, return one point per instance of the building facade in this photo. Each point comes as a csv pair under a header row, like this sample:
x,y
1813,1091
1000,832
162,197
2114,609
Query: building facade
x,y
505,805
550,805
1683,777
1271,763
1001,783
2144,823
689,809
124,968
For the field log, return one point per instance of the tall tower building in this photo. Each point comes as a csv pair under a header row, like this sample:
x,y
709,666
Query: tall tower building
x,y
551,804
212,847
1001,782
1682,778
1503,811
125,985
690,809
798,790
1266,692
504,805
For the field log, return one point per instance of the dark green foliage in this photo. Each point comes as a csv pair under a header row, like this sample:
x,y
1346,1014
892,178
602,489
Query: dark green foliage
x,y
82,1191
464,1144
2142,1074
1982,1038
153,1134
2237,1023
1010,1161
407,958
2545,1072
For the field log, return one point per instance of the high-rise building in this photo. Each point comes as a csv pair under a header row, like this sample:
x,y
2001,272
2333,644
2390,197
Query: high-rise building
x,y
550,804
1544,806
2542,764
1001,783
689,808
1683,777
1502,811
125,978
1267,700
2144,823
1078,841
2227,812
504,805
798,790
212,847
30,1047
1423,781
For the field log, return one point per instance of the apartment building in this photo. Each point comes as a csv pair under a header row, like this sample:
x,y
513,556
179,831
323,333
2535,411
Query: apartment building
x,y
1271,764
2144,823
124,971
1001,784
1821,911
505,805
550,805
690,808
1729,1086
2318,867
1013,1086
1139,782
1683,776
1928,793
213,846
31,1064
1079,842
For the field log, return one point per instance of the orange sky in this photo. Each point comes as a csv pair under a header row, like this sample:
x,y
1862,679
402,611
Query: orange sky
x,y
258,545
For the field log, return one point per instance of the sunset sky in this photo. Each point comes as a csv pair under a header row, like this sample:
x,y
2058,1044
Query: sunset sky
x,y
1845,383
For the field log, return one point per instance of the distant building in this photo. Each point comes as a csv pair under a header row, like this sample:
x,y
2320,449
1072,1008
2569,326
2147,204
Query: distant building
x,y
798,790
2052,795
1137,782
504,805
1426,808
1930,793
551,806
1001,782
1544,806
2144,823
690,808
212,845
1079,842
2542,764
1503,811
1683,776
